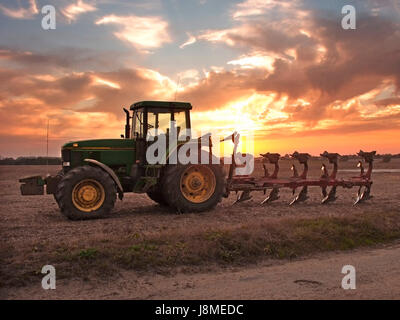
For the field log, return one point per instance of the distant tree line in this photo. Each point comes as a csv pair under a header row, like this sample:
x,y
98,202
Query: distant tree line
x,y
30,161
354,156
384,157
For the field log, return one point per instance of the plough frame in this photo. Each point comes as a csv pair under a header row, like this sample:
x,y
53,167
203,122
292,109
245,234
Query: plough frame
x,y
244,185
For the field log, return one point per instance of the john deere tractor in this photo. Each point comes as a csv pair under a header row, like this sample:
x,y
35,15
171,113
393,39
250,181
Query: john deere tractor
x,y
94,172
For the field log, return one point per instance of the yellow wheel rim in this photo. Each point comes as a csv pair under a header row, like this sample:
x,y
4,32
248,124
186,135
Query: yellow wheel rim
x,y
88,195
198,183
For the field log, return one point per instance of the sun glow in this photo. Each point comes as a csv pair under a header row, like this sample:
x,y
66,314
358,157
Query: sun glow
x,y
108,83
247,116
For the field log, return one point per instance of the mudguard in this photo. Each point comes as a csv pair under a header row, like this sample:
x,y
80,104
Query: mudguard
x,y
111,173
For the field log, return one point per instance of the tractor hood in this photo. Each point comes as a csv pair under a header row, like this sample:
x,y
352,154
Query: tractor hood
x,y
100,144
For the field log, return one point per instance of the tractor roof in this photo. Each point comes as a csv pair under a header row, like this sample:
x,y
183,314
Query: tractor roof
x,y
162,104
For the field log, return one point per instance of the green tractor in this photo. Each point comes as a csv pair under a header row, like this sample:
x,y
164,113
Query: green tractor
x,y
94,172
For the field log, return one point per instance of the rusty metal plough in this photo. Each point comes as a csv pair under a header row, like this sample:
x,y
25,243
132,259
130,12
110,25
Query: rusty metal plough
x,y
244,185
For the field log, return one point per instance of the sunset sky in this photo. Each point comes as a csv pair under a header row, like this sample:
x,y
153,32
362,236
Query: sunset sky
x,y
286,69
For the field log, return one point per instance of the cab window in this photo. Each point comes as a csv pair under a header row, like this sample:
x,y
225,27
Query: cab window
x,y
137,126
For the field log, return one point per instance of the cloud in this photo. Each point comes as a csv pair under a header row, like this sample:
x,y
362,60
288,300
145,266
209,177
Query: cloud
x,y
61,59
84,104
256,60
189,74
258,7
309,75
68,90
191,39
143,33
100,81
263,37
217,89
388,102
73,10
217,36
78,108
25,12
313,58
186,79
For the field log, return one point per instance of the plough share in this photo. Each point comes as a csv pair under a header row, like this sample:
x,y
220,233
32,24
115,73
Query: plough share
x,y
244,185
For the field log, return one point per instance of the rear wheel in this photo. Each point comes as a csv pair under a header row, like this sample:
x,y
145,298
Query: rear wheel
x,y
157,196
193,188
85,193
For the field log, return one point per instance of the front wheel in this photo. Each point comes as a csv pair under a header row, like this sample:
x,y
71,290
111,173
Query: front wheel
x,y
193,188
85,193
60,174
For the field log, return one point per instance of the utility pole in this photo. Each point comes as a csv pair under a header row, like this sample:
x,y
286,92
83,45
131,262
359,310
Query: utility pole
x,y
47,146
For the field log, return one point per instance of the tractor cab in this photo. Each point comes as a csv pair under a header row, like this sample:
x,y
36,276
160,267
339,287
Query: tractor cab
x,y
154,118
158,115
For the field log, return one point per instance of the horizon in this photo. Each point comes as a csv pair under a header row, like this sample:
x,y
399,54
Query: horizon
x,y
286,69
255,157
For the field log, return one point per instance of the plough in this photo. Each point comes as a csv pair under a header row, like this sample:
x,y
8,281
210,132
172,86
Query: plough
x,y
243,185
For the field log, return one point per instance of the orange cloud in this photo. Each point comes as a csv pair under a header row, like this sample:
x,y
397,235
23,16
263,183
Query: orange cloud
x,y
142,32
72,11
98,80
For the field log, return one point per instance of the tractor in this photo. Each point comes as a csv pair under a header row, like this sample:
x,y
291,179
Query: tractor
x,y
94,172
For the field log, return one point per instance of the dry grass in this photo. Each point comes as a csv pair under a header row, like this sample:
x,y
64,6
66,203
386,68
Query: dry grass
x,y
250,242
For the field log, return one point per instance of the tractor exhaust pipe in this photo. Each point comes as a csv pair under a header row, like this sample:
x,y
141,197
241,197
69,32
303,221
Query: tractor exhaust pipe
x,y
127,125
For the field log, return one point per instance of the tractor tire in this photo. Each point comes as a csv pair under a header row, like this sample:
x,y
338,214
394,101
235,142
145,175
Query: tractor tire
x,y
86,193
60,174
157,196
193,187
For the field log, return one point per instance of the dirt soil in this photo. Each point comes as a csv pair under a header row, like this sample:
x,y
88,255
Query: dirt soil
x,y
28,225
377,277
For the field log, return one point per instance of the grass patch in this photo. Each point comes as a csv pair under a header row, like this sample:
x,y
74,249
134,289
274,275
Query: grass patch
x,y
284,238
89,253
